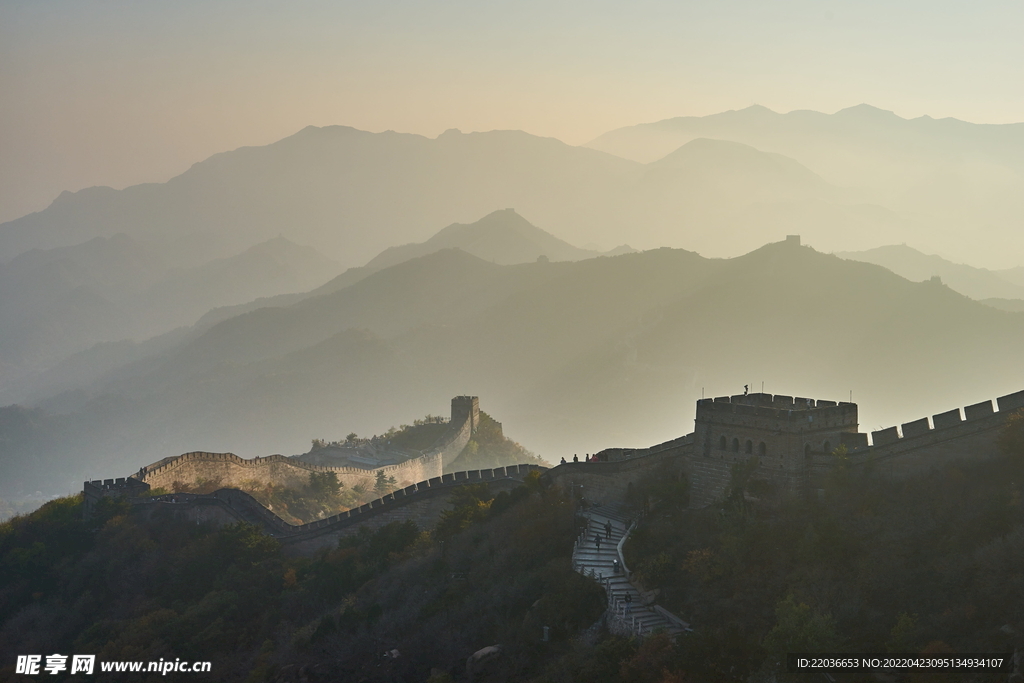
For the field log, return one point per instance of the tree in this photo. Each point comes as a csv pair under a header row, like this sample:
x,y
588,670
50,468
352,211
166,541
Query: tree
x,y
469,504
323,486
384,483
798,628
902,633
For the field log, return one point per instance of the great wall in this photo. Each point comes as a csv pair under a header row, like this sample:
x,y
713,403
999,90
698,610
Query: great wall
x,y
230,470
422,503
792,441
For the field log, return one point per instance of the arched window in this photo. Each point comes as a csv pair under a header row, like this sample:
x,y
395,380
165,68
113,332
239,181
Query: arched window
x,y
762,450
721,443
750,446
828,448
735,445
807,451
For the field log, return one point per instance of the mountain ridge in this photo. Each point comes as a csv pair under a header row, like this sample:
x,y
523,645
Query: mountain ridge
x,y
578,355
977,283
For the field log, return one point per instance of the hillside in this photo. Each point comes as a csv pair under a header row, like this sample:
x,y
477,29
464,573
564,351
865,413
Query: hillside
x,y
925,565
232,596
348,193
977,283
60,302
501,236
1012,305
1014,275
575,357
352,194
941,175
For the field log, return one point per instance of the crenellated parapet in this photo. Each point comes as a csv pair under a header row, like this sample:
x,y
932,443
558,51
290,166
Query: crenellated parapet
x,y
421,502
778,429
973,416
792,441
227,469
923,445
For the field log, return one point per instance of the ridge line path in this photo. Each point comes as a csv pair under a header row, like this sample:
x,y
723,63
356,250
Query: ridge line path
x,y
600,563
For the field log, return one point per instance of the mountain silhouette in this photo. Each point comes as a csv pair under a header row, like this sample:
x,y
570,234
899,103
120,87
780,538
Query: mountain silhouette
x,y
936,175
348,193
352,194
575,356
501,236
910,263
59,302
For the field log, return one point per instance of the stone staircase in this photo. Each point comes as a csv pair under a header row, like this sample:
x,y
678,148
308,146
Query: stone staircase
x,y
604,563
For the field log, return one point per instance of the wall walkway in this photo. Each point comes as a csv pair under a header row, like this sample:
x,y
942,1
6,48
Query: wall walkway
x,y
421,502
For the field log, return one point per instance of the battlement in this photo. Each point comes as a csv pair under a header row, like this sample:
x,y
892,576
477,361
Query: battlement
x,y
780,431
122,487
230,470
426,499
774,406
978,414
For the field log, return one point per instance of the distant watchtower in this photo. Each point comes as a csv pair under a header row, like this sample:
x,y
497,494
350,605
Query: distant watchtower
x,y
781,431
466,407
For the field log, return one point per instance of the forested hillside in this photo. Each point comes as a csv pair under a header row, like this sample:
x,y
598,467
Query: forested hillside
x,y
925,565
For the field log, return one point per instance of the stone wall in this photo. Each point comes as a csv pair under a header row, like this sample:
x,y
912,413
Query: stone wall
x,y
794,461
229,470
422,503
923,446
609,481
779,429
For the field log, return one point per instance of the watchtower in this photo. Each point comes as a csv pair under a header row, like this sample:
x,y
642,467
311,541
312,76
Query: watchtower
x,y
781,431
466,407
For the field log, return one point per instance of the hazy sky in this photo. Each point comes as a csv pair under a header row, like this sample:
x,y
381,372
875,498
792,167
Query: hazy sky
x,y
116,93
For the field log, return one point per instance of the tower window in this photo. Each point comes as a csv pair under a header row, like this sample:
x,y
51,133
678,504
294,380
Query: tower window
x,y
735,445
762,449
721,443
750,446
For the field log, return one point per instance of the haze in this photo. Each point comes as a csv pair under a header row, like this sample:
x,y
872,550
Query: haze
x,y
117,93
246,226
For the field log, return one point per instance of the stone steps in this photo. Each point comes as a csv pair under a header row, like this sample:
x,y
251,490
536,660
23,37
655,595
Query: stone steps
x,y
599,562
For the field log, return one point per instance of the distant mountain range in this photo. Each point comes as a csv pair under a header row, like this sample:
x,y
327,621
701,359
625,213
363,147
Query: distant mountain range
x,y
348,193
575,356
502,237
61,301
142,323
352,194
960,185
912,264
124,291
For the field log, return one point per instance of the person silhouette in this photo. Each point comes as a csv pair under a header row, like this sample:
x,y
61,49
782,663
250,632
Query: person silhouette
x,y
575,458
746,389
